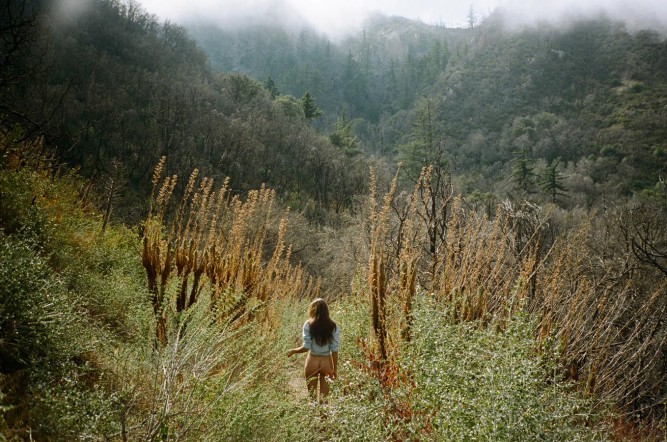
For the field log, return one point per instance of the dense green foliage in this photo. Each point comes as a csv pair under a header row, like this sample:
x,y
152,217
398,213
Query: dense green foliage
x,y
456,382
374,75
60,315
118,86
78,361
77,330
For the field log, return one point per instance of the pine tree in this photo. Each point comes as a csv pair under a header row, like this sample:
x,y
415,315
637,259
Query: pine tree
x,y
270,86
343,135
523,176
471,17
310,109
551,182
424,141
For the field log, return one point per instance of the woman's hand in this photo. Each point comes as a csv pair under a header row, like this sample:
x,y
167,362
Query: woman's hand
x,y
294,351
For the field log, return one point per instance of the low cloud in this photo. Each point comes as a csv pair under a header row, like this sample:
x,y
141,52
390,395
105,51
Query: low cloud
x,y
64,9
637,13
329,16
336,17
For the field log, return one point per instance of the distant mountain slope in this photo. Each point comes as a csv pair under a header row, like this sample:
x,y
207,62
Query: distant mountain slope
x,y
592,96
360,73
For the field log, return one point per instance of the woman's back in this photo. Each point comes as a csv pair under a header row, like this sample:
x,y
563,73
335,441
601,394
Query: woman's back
x,y
319,349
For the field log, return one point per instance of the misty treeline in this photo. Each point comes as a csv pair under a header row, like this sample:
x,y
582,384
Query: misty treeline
x,y
584,105
543,197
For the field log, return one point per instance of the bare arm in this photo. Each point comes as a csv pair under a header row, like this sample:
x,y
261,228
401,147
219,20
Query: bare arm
x,y
293,351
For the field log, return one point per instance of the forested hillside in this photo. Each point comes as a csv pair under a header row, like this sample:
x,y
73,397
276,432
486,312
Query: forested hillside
x,y
172,197
588,99
116,87
376,73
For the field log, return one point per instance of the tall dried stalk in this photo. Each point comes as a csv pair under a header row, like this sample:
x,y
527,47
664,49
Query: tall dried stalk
x,y
479,277
157,252
607,317
218,241
610,324
605,308
377,276
606,311
392,275
477,267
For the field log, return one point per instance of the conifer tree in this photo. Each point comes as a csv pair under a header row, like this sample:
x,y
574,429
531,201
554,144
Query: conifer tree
x,y
310,109
270,86
423,141
551,182
471,17
343,135
523,176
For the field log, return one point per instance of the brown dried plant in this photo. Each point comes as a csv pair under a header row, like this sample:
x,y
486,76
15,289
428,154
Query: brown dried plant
x,y
478,277
605,309
392,272
476,267
216,240
609,322
377,270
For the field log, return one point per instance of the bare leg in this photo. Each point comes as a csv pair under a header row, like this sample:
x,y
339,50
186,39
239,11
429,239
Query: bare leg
x,y
324,386
318,368
326,371
311,382
311,371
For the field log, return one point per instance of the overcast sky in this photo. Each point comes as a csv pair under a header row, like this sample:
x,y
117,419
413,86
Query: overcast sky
x,y
336,16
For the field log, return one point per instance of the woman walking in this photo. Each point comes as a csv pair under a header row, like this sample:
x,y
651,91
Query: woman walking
x,y
320,340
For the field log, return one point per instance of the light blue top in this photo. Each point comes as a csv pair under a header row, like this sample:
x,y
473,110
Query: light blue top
x,y
320,350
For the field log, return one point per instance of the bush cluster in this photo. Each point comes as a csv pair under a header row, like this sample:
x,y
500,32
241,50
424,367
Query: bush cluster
x,y
460,382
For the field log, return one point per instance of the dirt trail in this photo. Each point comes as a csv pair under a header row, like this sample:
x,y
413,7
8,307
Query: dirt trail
x,y
297,384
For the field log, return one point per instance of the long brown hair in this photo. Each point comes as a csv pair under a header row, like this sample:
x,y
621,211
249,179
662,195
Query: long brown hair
x,y
321,325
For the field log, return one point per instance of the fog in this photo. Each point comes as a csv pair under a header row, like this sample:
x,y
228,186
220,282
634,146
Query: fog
x,y
340,16
328,16
636,13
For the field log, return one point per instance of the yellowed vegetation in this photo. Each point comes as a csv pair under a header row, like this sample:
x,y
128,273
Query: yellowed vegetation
x,y
219,241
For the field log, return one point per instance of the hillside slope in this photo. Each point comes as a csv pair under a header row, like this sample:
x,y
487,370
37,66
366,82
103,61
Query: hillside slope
x,y
111,85
589,98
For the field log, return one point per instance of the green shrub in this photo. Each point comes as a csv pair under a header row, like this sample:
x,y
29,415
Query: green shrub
x,y
459,382
45,350
108,282
33,313
51,351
